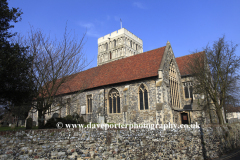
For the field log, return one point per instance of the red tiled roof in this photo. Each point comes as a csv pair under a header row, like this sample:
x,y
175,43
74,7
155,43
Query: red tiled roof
x,y
230,108
184,61
131,68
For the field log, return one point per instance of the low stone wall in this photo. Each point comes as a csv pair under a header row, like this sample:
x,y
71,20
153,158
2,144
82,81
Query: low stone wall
x,y
220,139
207,142
233,120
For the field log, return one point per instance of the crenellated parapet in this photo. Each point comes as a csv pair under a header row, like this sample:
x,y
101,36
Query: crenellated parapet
x,y
117,45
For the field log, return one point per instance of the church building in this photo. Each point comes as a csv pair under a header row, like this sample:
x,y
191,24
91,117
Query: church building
x,y
132,86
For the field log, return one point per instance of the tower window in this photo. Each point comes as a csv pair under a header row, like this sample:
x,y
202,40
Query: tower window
x,y
114,43
106,46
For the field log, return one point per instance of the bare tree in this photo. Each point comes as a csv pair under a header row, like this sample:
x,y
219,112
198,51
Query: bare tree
x,y
216,76
54,64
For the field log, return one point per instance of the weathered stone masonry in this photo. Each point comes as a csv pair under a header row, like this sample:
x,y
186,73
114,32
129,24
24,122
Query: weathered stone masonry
x,y
120,144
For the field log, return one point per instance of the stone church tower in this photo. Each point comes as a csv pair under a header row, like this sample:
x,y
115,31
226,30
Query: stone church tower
x,y
117,45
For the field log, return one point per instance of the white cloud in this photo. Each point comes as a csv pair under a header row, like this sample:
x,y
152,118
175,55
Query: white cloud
x,y
139,5
86,25
91,29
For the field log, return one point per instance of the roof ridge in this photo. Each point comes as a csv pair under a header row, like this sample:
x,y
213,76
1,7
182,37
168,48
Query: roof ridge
x,y
190,54
130,56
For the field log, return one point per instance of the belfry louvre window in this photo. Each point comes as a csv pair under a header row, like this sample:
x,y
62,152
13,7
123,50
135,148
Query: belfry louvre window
x,y
114,43
143,97
114,101
89,104
106,46
174,86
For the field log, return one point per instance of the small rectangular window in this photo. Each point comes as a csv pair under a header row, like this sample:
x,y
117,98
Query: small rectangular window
x,y
191,92
146,99
110,105
141,99
114,104
186,92
118,104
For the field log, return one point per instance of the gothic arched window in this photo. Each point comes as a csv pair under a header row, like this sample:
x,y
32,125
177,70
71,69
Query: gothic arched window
x,y
106,46
114,43
114,101
110,55
143,97
174,86
188,90
89,104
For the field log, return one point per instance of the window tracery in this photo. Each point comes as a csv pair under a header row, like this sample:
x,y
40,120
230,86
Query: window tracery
x,y
114,101
143,97
188,90
174,86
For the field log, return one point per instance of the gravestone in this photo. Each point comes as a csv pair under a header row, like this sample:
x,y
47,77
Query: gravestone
x,y
13,126
29,123
34,124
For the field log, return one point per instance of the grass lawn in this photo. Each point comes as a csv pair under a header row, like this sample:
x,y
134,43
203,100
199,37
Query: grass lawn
x,y
14,129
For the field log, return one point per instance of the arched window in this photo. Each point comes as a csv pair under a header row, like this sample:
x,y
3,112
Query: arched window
x,y
110,55
89,104
188,90
174,86
106,46
114,42
143,97
114,101
131,44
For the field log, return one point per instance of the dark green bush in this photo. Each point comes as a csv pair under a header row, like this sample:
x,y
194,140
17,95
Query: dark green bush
x,y
51,123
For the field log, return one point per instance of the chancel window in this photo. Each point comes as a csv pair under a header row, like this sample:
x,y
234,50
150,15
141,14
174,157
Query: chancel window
x,y
143,97
89,104
114,101
174,86
188,89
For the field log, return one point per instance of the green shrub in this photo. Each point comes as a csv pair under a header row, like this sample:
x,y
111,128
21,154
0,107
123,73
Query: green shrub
x,y
52,122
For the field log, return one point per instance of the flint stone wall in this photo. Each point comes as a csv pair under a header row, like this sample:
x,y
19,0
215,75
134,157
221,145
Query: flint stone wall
x,y
208,142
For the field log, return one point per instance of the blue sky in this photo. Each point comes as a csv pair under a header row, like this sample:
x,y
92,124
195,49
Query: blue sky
x,y
189,25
